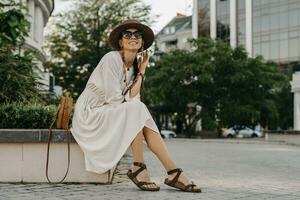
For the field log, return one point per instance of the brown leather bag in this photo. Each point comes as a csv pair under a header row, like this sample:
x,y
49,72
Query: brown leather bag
x,y
61,122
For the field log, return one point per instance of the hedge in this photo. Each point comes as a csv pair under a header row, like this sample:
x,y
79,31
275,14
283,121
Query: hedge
x,y
32,116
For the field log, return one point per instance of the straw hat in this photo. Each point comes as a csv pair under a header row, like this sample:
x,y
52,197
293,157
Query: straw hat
x,y
115,35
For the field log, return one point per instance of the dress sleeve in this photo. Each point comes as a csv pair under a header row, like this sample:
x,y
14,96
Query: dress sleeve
x,y
111,81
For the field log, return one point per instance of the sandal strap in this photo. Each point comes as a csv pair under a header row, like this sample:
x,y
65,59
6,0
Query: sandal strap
x,y
142,167
174,170
188,186
141,183
140,164
174,180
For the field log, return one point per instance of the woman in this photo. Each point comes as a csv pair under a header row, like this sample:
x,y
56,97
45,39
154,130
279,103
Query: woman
x,y
109,115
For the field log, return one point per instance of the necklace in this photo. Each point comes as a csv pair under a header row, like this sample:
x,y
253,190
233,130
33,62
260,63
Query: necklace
x,y
123,58
124,70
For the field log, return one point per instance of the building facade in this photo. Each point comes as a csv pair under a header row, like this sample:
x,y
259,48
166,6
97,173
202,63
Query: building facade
x,y
175,34
39,12
270,28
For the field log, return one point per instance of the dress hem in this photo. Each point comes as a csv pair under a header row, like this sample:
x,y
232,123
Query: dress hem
x,y
92,169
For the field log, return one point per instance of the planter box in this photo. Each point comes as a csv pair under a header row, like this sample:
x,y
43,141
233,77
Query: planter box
x,y
23,158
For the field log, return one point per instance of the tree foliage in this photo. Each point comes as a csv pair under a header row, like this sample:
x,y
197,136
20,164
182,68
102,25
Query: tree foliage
x,y
18,73
14,26
231,88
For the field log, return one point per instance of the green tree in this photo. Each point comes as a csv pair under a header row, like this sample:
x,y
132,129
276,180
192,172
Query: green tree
x,y
232,88
14,26
166,90
284,101
78,38
18,73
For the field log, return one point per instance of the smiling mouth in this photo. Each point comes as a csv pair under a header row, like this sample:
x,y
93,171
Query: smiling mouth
x,y
132,43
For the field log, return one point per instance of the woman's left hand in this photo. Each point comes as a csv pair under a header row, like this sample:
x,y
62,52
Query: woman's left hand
x,y
144,61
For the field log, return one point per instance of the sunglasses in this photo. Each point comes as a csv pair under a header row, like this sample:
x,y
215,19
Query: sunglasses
x,y
128,34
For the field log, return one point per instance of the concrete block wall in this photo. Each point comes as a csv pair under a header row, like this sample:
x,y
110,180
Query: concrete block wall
x,y
23,158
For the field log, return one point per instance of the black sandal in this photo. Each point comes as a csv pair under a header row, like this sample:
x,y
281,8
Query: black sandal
x,y
178,184
140,184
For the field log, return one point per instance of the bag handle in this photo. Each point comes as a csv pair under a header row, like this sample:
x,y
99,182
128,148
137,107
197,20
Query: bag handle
x,y
62,104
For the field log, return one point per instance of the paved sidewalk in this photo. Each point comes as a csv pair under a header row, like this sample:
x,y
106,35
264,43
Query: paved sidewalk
x,y
225,169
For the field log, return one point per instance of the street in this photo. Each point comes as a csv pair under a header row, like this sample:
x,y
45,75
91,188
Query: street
x,y
223,168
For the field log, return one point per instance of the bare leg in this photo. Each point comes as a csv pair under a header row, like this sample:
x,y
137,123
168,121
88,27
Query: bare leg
x,y
137,148
157,145
138,156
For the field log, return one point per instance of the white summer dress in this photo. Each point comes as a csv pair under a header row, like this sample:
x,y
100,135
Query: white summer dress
x,y
102,125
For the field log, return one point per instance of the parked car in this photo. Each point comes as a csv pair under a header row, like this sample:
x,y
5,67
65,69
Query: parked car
x,y
167,134
241,131
248,132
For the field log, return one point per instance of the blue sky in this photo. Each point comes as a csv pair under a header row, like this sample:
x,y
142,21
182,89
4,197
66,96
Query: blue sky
x,y
167,9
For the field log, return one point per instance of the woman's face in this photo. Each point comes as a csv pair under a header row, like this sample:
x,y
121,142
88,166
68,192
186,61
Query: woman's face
x,y
131,39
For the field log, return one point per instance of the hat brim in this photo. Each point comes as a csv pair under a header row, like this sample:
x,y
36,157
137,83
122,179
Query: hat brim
x,y
115,35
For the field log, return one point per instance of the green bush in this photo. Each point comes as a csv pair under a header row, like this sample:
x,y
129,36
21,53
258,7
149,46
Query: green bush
x,y
21,115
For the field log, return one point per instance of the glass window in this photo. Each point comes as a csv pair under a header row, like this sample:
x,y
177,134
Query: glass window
x,y
173,29
293,5
293,34
256,24
284,49
299,46
274,19
265,47
218,8
163,46
222,7
293,47
256,39
274,9
284,20
241,25
274,49
256,12
256,49
284,8
166,30
284,35
265,11
265,23
241,4
274,36
293,18
241,16
256,3
299,15
265,37
264,1
275,2
203,3
242,41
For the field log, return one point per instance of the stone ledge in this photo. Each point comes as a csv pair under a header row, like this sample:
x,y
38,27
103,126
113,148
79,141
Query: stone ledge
x,y
284,132
33,136
23,158
26,163
287,138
